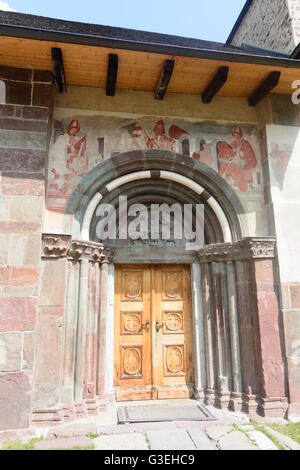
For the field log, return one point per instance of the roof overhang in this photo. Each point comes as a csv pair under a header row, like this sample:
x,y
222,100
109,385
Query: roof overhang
x,y
141,64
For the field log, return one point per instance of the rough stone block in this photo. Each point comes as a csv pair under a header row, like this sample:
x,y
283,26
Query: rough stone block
x,y
21,160
23,139
53,282
7,110
32,112
295,296
292,332
15,401
23,125
19,276
18,92
32,250
2,208
19,227
42,76
20,291
10,352
17,314
23,184
41,94
29,208
49,359
28,350
294,378
12,73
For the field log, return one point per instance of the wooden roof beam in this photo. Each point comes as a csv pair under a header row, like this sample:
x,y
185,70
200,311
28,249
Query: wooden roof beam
x,y
215,85
268,85
164,79
112,74
58,70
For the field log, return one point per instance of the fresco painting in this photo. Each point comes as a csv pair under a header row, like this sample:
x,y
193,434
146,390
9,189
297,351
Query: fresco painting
x,y
237,160
279,159
79,143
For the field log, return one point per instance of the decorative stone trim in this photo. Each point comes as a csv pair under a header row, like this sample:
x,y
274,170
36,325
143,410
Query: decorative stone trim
x,y
55,246
62,246
248,248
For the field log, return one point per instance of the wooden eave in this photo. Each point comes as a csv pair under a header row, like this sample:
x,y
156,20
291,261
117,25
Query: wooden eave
x,y
141,70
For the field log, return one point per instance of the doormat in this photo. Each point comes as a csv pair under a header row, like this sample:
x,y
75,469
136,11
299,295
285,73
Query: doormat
x,y
161,413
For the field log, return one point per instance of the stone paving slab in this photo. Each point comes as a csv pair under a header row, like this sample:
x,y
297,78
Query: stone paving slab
x,y
262,441
177,439
122,442
63,443
235,440
134,427
284,440
216,432
200,439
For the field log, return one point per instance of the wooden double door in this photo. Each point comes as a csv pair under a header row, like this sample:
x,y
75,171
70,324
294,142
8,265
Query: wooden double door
x,y
153,354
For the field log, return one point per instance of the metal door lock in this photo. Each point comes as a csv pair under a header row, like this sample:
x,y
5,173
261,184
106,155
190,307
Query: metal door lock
x,y
159,324
146,324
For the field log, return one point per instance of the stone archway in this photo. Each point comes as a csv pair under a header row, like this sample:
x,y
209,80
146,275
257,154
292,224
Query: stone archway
x,y
155,164
230,296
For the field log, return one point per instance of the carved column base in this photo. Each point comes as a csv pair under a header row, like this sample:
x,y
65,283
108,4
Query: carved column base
x,y
223,400
199,394
92,407
274,407
236,402
210,397
50,417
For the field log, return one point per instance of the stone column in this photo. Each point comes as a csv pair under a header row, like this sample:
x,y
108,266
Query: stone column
x,y
70,333
81,329
198,330
211,383
234,338
109,362
102,318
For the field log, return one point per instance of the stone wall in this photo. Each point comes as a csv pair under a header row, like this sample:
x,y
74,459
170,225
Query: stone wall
x,y
271,25
24,126
284,172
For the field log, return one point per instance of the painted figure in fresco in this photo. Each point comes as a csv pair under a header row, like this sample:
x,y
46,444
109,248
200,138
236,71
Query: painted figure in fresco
x,y
70,160
237,160
77,161
159,139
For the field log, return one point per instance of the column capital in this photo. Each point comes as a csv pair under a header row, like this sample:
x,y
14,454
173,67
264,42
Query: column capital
x,y
63,246
246,249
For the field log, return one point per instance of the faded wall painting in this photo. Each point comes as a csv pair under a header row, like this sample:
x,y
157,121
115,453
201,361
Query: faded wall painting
x,y
80,142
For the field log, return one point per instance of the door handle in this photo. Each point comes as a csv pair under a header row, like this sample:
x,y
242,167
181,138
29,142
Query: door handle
x,y
159,323
146,324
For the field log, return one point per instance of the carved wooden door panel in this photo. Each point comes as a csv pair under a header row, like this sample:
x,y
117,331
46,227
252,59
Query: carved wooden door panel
x,y
132,375
173,372
153,333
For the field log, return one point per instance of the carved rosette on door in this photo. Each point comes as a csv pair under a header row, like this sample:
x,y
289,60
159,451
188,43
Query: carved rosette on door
x,y
153,332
